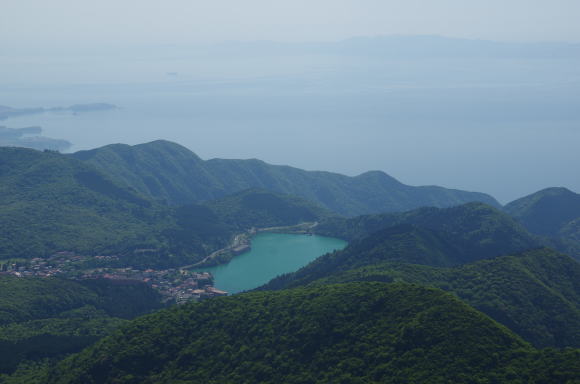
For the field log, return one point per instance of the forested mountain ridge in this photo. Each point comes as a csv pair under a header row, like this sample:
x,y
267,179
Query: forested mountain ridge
x,y
51,202
477,224
51,317
552,212
355,333
546,212
263,209
536,293
25,299
430,236
169,172
161,170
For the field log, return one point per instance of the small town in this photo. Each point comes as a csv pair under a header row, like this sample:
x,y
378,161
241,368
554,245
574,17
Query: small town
x,y
175,285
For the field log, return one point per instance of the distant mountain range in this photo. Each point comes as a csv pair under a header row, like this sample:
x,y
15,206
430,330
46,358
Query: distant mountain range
x,y
162,196
169,172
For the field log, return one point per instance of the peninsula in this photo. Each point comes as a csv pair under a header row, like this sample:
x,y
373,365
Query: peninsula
x,y
8,112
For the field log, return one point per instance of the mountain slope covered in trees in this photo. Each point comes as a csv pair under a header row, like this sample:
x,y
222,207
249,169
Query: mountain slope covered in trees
x,y
353,333
49,317
536,293
476,230
546,212
51,202
263,209
552,212
169,172
429,236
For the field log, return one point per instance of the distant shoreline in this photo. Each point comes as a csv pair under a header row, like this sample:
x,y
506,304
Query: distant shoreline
x,y
9,112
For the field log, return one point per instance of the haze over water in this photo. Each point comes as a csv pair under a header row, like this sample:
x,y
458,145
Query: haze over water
x,y
494,109
505,126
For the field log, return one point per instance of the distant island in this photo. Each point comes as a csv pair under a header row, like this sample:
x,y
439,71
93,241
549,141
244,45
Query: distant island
x,y
30,137
7,112
86,107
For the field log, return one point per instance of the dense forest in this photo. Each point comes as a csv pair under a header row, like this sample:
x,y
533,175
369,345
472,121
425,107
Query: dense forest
x,y
171,173
429,236
472,221
475,220
51,202
353,333
47,318
553,213
536,293
263,209
453,290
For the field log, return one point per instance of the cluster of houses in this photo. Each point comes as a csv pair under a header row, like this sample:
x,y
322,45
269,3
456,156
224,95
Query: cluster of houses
x,y
60,264
197,294
174,284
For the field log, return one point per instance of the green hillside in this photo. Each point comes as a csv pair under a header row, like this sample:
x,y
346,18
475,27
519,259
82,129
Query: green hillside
x,y
427,236
26,299
169,172
262,209
51,202
407,243
354,333
160,170
571,232
485,230
552,212
546,212
48,317
536,294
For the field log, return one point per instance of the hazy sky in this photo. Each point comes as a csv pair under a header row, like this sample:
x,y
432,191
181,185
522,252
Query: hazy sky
x,y
507,127
193,21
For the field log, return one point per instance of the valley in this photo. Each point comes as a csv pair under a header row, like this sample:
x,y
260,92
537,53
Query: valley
x,y
228,270
289,192
302,255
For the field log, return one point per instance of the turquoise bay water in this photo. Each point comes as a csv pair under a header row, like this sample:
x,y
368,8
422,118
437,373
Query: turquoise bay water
x,y
272,254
